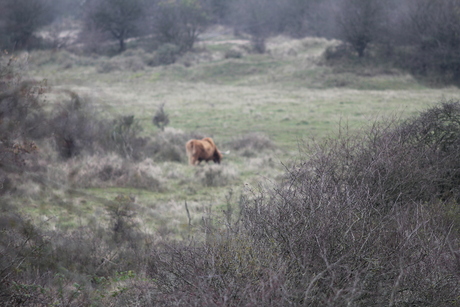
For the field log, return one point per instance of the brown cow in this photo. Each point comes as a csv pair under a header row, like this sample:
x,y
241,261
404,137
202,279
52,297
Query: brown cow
x,y
199,150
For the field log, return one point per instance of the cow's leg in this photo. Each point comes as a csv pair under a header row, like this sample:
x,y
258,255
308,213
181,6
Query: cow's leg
x,y
192,160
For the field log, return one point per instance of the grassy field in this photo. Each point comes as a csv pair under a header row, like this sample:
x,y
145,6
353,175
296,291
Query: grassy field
x,y
288,95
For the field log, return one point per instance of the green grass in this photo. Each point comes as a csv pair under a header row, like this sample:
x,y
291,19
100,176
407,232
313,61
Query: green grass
x,y
287,94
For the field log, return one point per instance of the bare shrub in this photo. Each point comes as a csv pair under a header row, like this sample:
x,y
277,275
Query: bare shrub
x,y
169,145
165,54
121,63
161,118
431,34
19,264
94,40
239,276
124,138
122,211
21,120
75,127
416,160
357,199
110,170
233,54
251,144
90,264
62,58
215,175
354,223
144,175
337,53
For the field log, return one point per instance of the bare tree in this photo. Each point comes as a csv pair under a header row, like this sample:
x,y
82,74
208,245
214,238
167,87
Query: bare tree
x,y
179,22
19,19
120,18
257,18
299,18
219,9
360,23
434,28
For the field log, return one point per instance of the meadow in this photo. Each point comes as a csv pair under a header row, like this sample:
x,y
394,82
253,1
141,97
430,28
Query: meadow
x,y
111,220
287,97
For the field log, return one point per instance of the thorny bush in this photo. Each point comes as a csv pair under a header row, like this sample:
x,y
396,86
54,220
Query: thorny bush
x,y
362,220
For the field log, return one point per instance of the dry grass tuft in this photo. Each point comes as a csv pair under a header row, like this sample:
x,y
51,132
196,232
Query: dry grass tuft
x,y
251,144
102,171
169,145
285,47
216,175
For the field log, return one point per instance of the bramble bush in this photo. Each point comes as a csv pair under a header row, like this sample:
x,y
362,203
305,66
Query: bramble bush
x,y
363,220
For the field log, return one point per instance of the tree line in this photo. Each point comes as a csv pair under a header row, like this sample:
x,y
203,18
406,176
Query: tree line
x,y
423,35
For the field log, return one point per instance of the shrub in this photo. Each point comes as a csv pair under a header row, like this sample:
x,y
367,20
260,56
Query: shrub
x,y
355,223
124,138
144,175
338,52
165,54
75,127
366,198
133,63
103,171
20,110
121,63
233,54
92,264
19,265
122,212
215,175
251,144
432,33
161,118
169,145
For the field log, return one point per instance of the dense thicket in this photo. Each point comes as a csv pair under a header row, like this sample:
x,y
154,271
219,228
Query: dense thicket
x,y
362,220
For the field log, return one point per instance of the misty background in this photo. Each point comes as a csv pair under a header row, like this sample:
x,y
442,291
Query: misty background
x,y
421,36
